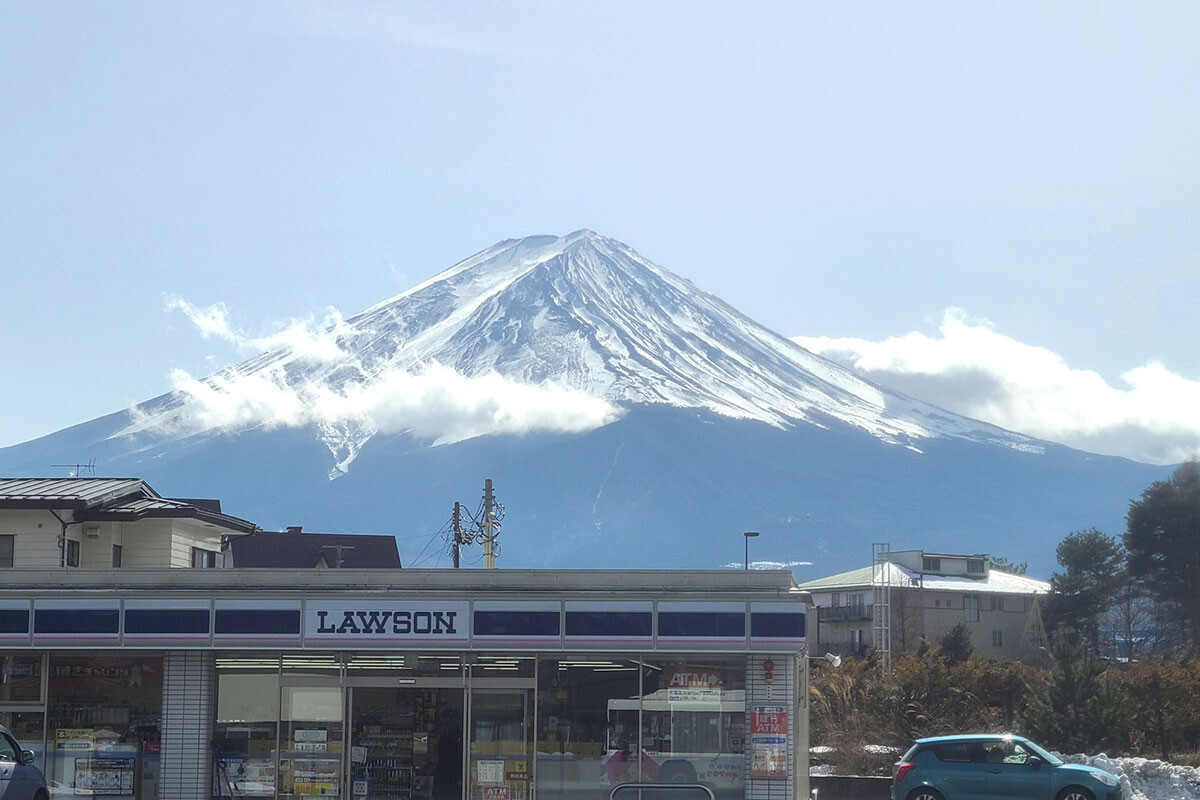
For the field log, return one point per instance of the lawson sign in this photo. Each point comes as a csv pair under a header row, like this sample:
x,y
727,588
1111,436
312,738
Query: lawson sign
x,y
390,621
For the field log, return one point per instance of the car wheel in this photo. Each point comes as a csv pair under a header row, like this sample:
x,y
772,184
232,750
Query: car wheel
x,y
925,793
1075,793
676,773
40,794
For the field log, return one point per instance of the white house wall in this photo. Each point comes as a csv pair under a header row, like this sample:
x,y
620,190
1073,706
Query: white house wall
x,y
36,542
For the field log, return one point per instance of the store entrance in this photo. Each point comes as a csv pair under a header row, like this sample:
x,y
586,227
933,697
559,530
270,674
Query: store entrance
x,y
406,743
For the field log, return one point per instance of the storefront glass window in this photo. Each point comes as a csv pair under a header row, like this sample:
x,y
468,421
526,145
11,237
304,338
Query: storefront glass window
x,y
693,721
587,725
403,665
311,736
247,724
312,665
103,724
29,728
21,679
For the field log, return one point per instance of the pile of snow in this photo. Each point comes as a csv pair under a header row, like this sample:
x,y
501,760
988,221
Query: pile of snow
x,y
1144,778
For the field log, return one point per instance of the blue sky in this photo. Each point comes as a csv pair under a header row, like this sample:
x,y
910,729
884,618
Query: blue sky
x,y
845,171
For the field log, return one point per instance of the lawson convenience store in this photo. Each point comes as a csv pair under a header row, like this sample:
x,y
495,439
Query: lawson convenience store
x,y
405,685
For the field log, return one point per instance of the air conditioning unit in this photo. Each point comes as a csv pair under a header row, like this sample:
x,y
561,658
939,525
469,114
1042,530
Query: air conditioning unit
x,y
91,531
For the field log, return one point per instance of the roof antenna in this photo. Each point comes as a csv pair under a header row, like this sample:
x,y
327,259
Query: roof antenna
x,y
78,470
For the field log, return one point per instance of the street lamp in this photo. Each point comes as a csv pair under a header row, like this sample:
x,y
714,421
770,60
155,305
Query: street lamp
x,y
836,661
748,535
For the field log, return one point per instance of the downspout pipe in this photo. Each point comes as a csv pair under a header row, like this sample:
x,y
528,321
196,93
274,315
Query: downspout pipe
x,y
62,538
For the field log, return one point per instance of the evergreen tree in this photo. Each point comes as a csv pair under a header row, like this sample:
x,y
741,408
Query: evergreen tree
x,y
1083,593
1008,565
956,643
1076,709
1162,538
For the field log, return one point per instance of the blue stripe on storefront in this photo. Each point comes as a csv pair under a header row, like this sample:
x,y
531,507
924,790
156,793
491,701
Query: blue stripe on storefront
x,y
147,621
76,620
231,621
702,624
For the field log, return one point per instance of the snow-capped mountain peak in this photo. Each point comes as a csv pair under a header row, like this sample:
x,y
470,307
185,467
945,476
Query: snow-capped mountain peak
x,y
586,313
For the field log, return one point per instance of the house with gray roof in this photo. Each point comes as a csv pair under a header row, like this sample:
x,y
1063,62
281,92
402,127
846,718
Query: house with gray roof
x,y
105,523
925,595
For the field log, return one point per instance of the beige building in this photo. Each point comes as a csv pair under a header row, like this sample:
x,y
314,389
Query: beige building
x,y
105,523
927,595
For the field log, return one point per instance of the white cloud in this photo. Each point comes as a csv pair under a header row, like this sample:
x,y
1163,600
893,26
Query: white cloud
x,y
434,402
973,370
767,564
317,340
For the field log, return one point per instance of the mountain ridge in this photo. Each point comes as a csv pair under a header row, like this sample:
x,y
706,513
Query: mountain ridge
x,y
589,313
822,462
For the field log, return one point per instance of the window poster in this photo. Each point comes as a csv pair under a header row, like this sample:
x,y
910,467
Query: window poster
x,y
490,773
245,776
73,739
105,775
316,776
769,742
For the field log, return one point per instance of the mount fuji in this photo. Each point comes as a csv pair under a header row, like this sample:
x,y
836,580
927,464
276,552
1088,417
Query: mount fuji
x,y
629,419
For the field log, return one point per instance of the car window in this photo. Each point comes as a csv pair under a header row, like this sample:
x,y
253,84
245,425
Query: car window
x,y
960,752
1045,754
1015,753
8,749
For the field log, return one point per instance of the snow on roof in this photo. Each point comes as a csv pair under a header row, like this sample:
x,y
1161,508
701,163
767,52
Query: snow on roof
x,y
996,581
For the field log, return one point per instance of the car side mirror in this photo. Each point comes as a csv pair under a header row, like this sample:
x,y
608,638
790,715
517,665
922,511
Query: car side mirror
x,y
27,757
1034,761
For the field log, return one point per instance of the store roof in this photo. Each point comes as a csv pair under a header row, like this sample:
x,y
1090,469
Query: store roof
x,y
995,582
774,585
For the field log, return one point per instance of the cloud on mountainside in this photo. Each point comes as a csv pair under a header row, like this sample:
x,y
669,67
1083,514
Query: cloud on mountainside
x,y
973,370
437,402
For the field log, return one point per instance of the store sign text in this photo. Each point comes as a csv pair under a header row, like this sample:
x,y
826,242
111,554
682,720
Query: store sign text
x,y
388,622
370,620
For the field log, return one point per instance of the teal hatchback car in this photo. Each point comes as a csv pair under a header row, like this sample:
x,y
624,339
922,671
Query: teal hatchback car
x,y
995,767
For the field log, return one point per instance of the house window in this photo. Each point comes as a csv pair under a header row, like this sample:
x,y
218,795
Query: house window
x,y
997,602
931,564
975,566
7,546
72,553
971,607
835,599
202,558
997,638
937,602
116,555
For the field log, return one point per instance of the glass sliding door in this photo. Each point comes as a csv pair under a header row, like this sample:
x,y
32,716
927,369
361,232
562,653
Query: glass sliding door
x,y
501,751
406,743
310,742
246,729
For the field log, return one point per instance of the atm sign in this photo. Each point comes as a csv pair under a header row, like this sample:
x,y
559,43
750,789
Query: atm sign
x,y
769,719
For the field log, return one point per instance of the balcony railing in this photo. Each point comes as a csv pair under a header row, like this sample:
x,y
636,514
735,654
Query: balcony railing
x,y
843,613
846,648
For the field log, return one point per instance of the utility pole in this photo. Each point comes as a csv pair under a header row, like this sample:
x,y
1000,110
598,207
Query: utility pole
x,y
458,531
339,550
489,548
